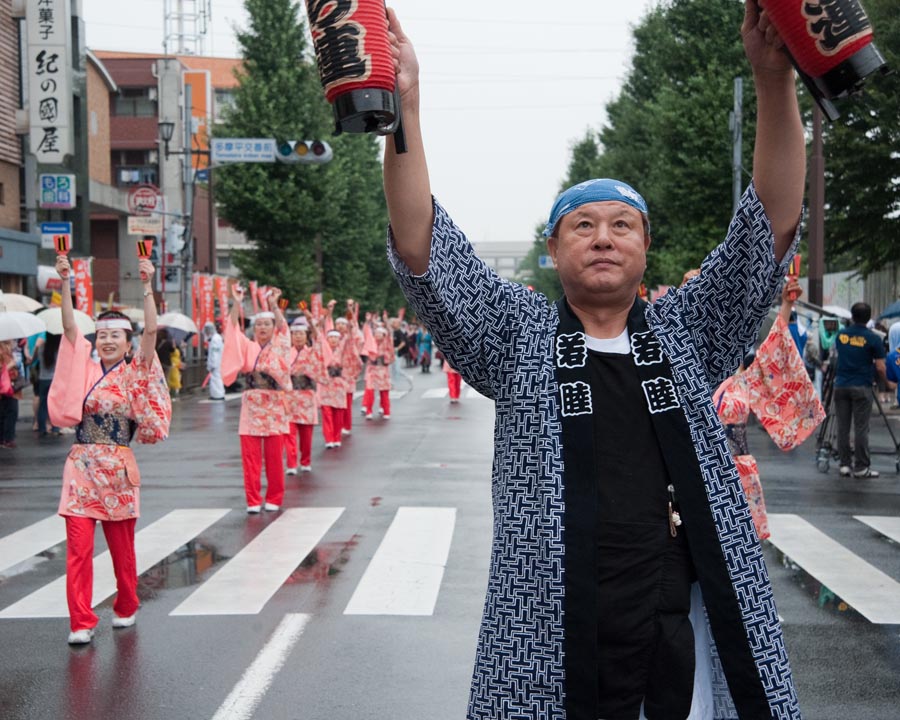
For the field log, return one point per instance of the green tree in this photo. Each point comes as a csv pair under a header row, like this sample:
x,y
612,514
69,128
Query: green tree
x,y
296,213
862,163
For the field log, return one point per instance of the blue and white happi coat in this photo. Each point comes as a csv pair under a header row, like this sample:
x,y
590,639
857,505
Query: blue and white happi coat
x,y
503,339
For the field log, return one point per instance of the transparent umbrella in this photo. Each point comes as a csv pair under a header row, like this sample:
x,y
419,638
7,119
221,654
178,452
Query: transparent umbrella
x,y
15,325
19,303
53,318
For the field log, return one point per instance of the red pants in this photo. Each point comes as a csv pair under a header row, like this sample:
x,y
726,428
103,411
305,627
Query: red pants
x,y
252,449
80,568
332,422
348,414
384,397
305,432
454,381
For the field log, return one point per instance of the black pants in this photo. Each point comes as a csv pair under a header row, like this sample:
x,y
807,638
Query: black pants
x,y
645,636
9,415
853,403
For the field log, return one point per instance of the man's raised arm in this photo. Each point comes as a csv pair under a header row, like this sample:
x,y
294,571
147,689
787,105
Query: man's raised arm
x,y
779,158
406,184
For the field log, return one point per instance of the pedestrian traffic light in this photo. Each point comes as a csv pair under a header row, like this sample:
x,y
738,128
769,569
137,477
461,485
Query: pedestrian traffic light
x,y
303,151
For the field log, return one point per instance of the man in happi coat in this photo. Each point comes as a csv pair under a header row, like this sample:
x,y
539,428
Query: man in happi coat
x,y
626,578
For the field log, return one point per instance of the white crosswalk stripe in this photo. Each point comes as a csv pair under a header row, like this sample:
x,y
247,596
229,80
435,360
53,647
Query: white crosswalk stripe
x,y
29,541
872,593
887,526
152,544
404,577
268,559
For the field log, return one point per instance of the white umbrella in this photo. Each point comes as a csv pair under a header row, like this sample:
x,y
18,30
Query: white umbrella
x,y
177,321
18,303
15,324
133,314
53,318
838,311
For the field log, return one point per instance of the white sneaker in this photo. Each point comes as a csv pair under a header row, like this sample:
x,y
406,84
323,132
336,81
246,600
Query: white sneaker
x,y
291,471
305,468
387,417
253,509
329,445
336,445
844,471
368,416
345,431
272,507
81,637
123,622
381,411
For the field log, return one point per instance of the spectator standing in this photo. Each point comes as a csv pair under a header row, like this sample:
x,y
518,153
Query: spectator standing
x,y
860,356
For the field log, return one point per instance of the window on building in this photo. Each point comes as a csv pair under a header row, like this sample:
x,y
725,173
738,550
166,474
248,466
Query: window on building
x,y
224,101
139,175
2,195
224,263
134,102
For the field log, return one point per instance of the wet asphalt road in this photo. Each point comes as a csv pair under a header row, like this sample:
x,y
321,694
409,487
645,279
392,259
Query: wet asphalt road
x,y
355,667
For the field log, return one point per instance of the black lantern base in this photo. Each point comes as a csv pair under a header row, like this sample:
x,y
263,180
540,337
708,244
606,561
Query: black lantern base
x,y
366,110
850,75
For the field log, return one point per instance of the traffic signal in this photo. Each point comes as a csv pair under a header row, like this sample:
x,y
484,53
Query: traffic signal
x,y
303,151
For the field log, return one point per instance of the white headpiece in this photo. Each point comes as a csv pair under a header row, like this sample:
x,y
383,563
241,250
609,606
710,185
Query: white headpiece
x,y
114,324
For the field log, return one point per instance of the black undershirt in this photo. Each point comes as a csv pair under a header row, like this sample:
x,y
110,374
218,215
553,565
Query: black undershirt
x,y
645,639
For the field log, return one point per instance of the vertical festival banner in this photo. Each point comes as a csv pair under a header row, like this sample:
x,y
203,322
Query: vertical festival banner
x,y
195,305
207,301
84,285
221,289
253,300
315,305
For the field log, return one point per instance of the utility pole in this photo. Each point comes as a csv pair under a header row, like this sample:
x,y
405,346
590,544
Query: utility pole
x,y
188,182
817,212
735,123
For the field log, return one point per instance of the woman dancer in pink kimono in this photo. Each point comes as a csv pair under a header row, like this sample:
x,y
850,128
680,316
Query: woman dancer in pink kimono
x,y
352,338
265,361
110,403
380,350
307,370
777,389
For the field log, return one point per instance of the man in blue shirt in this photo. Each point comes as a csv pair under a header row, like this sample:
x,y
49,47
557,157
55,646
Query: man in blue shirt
x,y
859,352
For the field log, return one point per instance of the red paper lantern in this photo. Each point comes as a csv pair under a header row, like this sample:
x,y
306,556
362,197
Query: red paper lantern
x,y
830,42
355,64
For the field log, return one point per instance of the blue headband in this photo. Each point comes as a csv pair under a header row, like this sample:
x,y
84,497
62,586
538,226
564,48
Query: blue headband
x,y
600,190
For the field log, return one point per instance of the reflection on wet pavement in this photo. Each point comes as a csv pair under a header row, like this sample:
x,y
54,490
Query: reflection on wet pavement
x,y
181,569
324,561
824,597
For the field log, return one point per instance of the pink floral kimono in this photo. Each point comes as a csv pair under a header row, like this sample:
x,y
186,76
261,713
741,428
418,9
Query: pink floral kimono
x,y
777,389
267,370
130,401
378,369
307,371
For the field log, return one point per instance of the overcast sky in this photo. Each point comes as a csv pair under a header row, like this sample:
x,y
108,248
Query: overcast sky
x,y
507,87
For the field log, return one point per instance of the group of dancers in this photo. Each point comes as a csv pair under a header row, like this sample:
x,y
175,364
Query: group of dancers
x,y
294,371
291,373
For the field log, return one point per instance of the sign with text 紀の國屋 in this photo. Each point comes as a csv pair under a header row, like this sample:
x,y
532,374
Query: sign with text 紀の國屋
x,y
49,66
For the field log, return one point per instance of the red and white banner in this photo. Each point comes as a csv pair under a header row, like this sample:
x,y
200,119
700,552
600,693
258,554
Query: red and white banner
x,y
252,285
220,285
84,285
207,301
315,305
